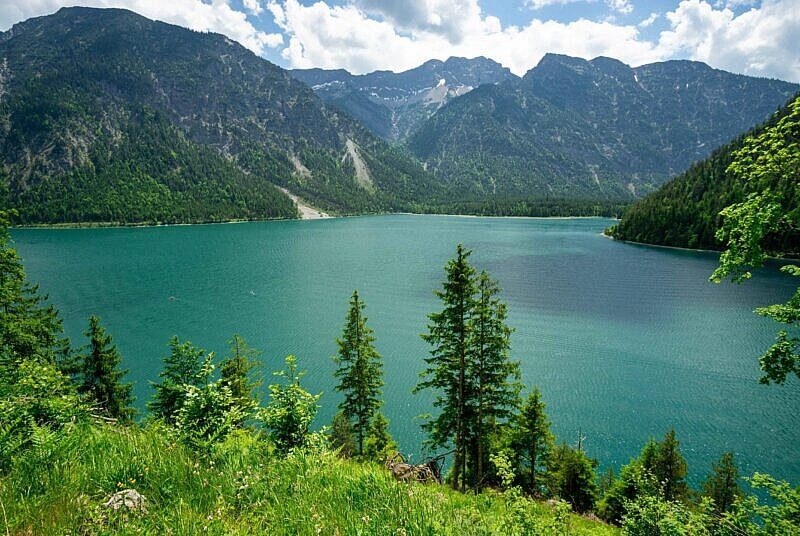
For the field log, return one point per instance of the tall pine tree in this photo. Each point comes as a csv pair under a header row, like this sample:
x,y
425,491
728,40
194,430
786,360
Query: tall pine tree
x,y
101,377
531,442
722,485
359,371
447,371
236,373
495,375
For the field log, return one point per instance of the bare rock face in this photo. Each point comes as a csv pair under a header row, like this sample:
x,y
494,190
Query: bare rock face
x,y
127,499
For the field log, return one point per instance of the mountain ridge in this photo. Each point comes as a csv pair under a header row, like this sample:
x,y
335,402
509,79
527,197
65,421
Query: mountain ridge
x,y
596,128
77,78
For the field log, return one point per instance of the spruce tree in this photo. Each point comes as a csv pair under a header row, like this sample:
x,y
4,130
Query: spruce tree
x,y
358,371
101,377
571,476
670,468
236,372
531,442
379,445
341,435
496,377
722,485
182,367
30,328
447,370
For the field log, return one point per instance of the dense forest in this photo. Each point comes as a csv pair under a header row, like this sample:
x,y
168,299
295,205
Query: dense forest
x,y
211,456
686,212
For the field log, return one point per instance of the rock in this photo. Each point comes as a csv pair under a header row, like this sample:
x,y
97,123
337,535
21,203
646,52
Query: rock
x,y
129,499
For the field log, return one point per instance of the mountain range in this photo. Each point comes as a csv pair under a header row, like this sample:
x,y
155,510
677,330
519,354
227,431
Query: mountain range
x,y
108,116
394,105
568,128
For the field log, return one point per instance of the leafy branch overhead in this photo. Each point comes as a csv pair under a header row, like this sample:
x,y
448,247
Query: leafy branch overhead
x,y
752,229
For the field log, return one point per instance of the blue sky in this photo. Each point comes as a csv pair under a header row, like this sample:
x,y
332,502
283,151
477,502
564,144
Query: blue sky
x,y
756,37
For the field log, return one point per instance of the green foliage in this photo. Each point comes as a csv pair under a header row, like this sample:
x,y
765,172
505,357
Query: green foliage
x,y
34,396
477,385
668,466
520,519
780,515
29,327
659,471
766,224
182,367
359,372
495,376
448,334
100,375
379,445
652,515
531,442
722,485
340,437
237,374
208,412
571,477
291,409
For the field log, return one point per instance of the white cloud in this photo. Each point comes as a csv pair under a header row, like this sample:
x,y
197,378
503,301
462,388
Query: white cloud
x,y
452,19
253,6
539,4
217,16
648,21
762,41
347,37
622,6
375,34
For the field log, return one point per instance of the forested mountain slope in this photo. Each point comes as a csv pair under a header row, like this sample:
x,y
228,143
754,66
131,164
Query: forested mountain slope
x,y
685,211
108,116
394,105
599,128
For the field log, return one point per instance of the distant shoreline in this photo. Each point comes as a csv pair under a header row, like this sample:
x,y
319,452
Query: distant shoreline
x,y
106,225
660,245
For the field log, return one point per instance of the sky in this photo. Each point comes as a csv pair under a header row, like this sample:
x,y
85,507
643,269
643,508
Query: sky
x,y
755,37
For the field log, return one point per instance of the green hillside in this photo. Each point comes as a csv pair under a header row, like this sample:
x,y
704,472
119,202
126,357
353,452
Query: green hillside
x,y
243,487
685,211
572,128
109,116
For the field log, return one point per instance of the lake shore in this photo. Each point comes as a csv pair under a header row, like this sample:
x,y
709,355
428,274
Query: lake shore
x,y
324,216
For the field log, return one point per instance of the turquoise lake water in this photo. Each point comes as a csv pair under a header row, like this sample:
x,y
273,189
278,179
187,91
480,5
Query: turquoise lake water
x,y
624,341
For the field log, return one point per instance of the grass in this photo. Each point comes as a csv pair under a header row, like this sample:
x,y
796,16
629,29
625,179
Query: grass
x,y
241,487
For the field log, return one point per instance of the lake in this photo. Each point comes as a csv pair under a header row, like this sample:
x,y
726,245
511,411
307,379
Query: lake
x,y
624,341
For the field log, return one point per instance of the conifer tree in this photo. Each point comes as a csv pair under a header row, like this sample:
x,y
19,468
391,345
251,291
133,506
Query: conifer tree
x,y
670,468
447,371
341,435
496,377
359,372
101,377
236,372
722,485
531,442
29,327
379,444
182,367
571,476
